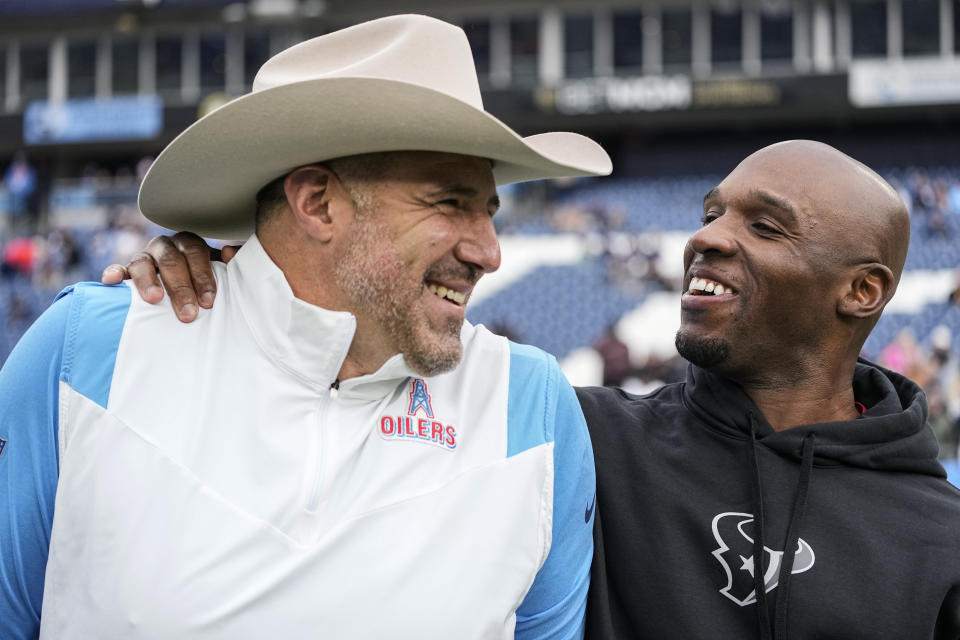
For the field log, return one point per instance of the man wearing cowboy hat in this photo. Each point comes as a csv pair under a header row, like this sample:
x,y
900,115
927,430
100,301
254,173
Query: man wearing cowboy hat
x,y
330,450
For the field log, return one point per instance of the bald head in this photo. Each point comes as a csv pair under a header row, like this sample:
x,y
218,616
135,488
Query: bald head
x,y
865,217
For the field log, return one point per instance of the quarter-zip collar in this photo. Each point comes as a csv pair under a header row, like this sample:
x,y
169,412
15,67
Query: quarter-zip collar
x,y
308,341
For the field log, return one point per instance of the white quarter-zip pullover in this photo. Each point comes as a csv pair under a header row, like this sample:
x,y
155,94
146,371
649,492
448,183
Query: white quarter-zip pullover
x,y
212,484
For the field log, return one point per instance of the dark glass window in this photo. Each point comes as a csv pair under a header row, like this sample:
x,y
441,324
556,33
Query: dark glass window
x,y
126,66
921,27
726,36
34,70
776,35
213,61
627,40
478,34
868,24
956,26
676,30
524,47
169,56
3,77
81,69
256,50
578,46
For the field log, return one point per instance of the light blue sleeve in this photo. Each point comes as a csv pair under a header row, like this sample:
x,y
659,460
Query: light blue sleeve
x,y
74,341
542,407
29,384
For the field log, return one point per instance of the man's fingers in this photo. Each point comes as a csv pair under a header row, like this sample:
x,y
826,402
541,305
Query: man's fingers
x,y
198,260
172,266
181,265
142,270
114,274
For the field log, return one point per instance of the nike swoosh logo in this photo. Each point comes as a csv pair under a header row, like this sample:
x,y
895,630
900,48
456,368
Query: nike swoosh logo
x,y
589,512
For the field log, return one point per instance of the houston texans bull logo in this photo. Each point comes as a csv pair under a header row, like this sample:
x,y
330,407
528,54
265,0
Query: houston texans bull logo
x,y
735,554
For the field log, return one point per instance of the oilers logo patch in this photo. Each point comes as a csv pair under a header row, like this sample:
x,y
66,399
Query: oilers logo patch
x,y
419,424
420,399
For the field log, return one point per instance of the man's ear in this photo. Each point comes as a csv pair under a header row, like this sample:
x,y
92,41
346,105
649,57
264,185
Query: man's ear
x,y
311,192
870,290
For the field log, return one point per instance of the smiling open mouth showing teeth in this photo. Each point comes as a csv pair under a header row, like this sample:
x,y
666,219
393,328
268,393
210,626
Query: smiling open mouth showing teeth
x,y
448,294
705,287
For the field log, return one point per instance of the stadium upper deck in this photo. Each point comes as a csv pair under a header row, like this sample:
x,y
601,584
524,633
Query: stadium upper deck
x,y
632,73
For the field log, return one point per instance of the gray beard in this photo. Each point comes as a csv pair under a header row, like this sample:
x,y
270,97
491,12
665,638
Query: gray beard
x,y
707,353
372,279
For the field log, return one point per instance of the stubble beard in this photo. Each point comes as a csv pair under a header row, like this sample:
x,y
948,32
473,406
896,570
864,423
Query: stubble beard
x,y
707,353
375,279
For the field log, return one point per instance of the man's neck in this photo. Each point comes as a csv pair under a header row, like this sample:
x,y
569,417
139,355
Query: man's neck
x,y
788,408
353,368
370,349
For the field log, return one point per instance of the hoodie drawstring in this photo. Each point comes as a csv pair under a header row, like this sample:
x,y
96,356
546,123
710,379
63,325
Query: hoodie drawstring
x,y
759,588
792,538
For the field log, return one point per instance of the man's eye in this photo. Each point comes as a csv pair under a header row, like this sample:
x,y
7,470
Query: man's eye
x,y
450,202
708,218
763,227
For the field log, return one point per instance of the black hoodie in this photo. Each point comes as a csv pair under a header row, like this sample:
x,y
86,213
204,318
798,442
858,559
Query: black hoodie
x,y
688,476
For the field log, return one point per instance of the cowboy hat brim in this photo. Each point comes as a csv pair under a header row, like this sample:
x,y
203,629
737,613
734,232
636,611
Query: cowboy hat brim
x,y
207,179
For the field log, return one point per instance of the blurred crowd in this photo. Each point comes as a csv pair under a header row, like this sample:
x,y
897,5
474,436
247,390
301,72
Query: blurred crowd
x,y
45,245
931,199
936,368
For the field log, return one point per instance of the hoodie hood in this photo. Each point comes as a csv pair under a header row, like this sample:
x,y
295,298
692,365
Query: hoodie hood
x,y
891,435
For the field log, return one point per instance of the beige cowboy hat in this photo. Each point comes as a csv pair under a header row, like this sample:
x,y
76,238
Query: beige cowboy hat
x,y
398,83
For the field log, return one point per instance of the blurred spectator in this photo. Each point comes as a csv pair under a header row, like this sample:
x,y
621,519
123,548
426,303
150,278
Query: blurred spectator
x,y
943,392
905,356
20,255
20,181
125,234
616,358
954,296
62,260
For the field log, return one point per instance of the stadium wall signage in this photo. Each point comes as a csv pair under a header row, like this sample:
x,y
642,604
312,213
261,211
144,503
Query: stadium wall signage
x,y
680,93
905,82
618,95
93,120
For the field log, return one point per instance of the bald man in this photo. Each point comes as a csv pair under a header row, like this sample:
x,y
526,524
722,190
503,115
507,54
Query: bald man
x,y
786,485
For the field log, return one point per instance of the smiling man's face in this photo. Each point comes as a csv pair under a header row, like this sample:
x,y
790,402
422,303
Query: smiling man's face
x,y
764,272
414,254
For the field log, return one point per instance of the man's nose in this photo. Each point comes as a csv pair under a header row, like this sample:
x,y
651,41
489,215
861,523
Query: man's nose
x,y
718,236
479,245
